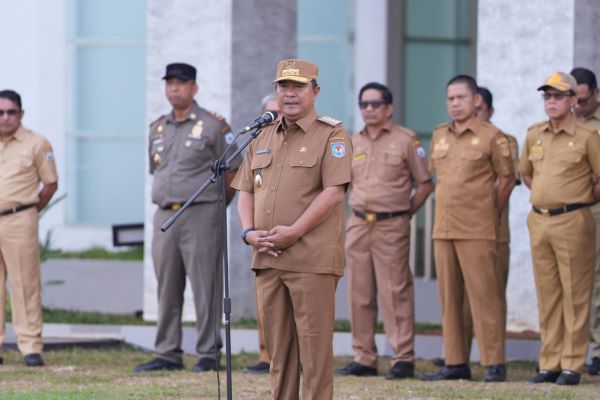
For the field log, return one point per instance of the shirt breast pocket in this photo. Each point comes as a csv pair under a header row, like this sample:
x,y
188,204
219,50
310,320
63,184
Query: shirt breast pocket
x,y
473,160
260,170
302,172
392,165
568,160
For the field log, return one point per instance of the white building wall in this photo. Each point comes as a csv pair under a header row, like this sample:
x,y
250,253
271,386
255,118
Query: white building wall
x,y
519,44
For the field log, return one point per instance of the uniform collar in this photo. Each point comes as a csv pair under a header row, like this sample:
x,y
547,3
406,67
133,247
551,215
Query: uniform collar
x,y
20,134
568,128
303,123
192,116
473,126
386,128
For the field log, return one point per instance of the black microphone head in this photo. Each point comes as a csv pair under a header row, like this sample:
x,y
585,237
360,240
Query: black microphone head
x,y
270,116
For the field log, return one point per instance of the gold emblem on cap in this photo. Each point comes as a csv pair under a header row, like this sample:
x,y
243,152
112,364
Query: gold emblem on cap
x,y
156,158
198,129
290,64
258,180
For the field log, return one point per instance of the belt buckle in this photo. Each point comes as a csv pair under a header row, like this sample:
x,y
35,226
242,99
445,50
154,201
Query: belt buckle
x,y
545,212
175,206
370,217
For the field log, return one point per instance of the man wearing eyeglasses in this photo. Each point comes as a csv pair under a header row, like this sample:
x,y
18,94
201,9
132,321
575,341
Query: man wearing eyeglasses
x,y
588,110
560,163
388,163
28,180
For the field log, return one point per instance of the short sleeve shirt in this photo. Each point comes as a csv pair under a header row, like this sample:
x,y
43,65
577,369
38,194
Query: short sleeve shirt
x,y
25,160
466,165
504,228
385,170
285,169
561,164
594,120
181,155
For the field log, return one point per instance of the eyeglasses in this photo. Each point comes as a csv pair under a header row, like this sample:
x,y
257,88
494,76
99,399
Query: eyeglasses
x,y
11,112
558,96
584,100
375,104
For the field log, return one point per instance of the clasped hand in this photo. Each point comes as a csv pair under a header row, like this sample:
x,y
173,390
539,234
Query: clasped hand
x,y
274,241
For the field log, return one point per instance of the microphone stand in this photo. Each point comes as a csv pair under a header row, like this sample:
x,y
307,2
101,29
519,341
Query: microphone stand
x,y
220,166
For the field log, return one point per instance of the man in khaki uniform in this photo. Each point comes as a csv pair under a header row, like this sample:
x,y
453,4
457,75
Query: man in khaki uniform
x,y
475,176
269,103
27,161
292,187
560,159
587,109
388,163
183,146
485,110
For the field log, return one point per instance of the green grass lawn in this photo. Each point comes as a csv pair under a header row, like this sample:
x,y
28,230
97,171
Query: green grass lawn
x,y
106,374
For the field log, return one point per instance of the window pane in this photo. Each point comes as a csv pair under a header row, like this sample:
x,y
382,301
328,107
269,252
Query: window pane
x,y
447,19
108,179
323,17
110,88
110,18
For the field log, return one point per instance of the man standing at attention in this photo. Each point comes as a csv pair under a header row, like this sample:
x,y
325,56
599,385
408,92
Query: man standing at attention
x,y
27,163
475,176
292,185
388,163
587,109
560,163
183,146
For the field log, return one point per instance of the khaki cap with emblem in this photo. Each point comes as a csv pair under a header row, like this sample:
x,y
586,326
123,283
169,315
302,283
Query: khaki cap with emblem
x,y
560,81
296,70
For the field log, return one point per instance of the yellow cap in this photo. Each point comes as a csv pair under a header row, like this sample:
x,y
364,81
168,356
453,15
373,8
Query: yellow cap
x,y
560,81
296,70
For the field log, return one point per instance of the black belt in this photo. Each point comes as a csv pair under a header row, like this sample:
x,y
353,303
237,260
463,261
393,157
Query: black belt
x,y
378,216
561,210
177,206
16,209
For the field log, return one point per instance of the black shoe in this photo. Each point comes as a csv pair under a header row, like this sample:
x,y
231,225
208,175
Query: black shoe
x,y
158,364
594,368
258,368
568,377
450,372
495,373
205,364
545,376
356,369
401,370
438,362
33,360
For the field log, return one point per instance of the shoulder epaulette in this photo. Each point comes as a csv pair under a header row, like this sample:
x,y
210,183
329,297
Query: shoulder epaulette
x,y
216,116
440,126
586,127
536,125
406,131
329,120
158,119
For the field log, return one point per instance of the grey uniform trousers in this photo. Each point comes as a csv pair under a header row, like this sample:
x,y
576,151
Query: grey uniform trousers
x,y
189,248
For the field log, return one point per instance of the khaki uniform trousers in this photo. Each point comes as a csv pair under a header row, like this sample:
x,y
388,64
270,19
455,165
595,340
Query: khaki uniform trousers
x,y
502,269
595,315
377,258
297,310
469,266
189,248
563,266
20,263
263,355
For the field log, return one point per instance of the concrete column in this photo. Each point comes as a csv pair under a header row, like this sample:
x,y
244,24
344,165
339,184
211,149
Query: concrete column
x,y
519,45
587,35
235,47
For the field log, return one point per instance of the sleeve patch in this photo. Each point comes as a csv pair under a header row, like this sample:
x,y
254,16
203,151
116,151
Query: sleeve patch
x,y
50,156
421,152
229,137
338,149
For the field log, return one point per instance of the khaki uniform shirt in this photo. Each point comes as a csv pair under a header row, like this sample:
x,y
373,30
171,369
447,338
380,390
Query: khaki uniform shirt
x,y
561,164
385,170
25,161
594,120
504,229
286,168
466,165
181,154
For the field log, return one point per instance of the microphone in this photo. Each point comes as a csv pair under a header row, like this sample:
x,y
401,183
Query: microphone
x,y
261,121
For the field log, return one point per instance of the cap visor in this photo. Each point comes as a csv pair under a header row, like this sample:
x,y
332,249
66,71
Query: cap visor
x,y
182,77
557,87
292,78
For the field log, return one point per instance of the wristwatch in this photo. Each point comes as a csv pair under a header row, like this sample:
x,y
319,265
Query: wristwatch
x,y
245,233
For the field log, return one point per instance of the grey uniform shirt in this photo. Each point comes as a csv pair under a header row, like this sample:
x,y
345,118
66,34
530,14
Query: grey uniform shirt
x,y
181,154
